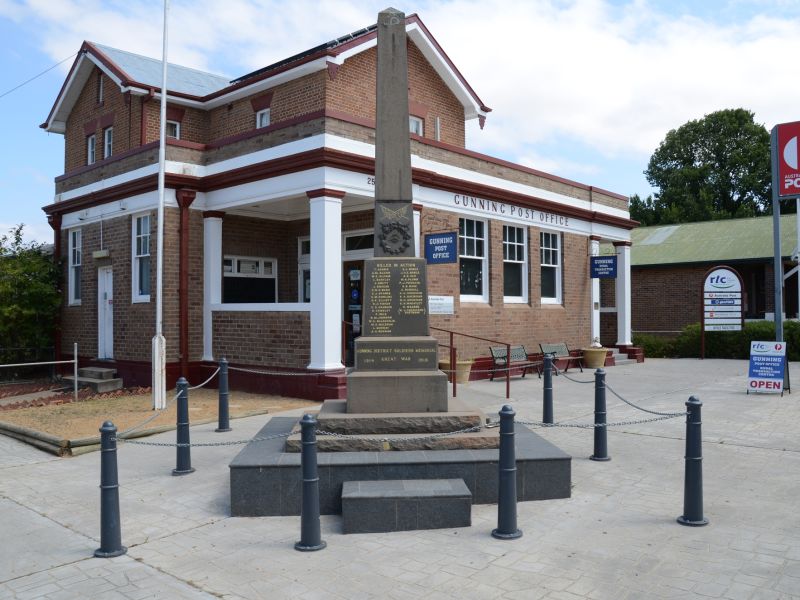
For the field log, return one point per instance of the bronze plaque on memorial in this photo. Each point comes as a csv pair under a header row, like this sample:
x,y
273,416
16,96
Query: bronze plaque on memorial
x,y
395,297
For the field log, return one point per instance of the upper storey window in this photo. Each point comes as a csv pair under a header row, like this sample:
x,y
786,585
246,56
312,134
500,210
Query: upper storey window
x,y
416,125
91,147
174,130
262,118
108,142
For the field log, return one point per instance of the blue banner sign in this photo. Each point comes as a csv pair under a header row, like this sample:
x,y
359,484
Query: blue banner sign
x,y
441,248
603,267
767,364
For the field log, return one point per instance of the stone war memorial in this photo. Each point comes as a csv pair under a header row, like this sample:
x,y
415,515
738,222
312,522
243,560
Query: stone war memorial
x,y
383,457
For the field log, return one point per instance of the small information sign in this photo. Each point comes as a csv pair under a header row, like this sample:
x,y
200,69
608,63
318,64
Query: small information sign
x,y
441,248
767,365
602,267
441,305
722,300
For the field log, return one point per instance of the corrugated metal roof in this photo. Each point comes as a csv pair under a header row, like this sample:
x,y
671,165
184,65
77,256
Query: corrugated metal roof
x,y
179,79
711,241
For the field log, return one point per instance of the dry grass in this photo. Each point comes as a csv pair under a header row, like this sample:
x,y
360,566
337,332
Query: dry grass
x,y
83,418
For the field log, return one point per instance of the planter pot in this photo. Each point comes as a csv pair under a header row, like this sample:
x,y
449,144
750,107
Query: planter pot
x,y
594,358
463,368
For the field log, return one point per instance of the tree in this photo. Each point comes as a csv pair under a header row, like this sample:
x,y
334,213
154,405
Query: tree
x,y
29,295
717,167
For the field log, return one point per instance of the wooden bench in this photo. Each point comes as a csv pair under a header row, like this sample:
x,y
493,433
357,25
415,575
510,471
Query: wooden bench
x,y
519,357
562,352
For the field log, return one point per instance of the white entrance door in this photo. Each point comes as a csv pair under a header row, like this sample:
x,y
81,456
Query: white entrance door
x,y
105,313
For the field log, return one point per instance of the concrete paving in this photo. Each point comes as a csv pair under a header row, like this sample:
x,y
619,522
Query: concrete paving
x,y
616,538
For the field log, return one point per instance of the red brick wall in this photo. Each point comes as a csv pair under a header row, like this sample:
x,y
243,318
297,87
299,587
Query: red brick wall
x,y
353,92
263,338
528,324
87,111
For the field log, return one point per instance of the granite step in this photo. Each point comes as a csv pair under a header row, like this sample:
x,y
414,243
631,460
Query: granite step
x,y
99,386
475,440
96,373
405,505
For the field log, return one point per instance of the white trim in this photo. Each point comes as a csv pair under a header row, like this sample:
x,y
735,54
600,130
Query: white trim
x,y
416,125
91,149
594,300
362,254
622,295
177,124
262,307
303,264
484,258
105,325
212,279
262,261
136,297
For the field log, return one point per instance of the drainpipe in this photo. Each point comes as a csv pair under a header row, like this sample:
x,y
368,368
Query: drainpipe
x,y
185,197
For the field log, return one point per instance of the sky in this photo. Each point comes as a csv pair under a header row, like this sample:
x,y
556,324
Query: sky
x,y
583,89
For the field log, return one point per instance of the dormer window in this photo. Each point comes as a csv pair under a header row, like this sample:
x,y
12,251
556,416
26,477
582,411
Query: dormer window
x,y
416,125
262,118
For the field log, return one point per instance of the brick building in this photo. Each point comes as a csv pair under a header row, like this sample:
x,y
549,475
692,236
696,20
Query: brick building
x,y
269,202
669,264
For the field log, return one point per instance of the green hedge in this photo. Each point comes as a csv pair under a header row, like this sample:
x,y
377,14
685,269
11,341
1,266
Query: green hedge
x,y
719,344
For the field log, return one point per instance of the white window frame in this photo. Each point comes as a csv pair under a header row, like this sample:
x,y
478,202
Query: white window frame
x,y
136,297
100,88
364,253
262,115
558,299
91,149
108,142
416,125
512,248
177,125
484,296
75,266
303,264
262,261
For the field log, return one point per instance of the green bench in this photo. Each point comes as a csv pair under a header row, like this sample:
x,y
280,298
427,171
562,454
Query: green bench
x,y
519,358
562,352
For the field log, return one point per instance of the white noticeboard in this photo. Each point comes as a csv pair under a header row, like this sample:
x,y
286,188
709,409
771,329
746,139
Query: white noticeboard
x,y
722,300
767,365
441,305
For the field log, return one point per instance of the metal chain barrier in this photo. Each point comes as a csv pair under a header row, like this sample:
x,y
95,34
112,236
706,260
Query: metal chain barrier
x,y
572,379
652,412
197,387
593,425
207,444
155,415
514,367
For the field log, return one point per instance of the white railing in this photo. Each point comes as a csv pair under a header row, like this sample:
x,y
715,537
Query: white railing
x,y
73,362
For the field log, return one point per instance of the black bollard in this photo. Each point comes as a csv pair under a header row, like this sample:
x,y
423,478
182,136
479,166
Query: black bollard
x,y
600,430
693,474
110,530
547,392
507,480
223,416
183,462
310,536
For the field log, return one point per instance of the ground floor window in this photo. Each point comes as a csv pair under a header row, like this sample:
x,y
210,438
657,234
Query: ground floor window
x,y
550,260
249,279
515,288
75,261
141,259
472,258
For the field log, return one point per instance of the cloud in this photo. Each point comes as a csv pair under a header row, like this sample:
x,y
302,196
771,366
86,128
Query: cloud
x,y
603,76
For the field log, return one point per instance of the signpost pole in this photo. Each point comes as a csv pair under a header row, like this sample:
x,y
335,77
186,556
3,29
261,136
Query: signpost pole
x,y
776,238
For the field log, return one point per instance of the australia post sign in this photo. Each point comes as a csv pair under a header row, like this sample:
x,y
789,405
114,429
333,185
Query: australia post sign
x,y
767,364
722,300
787,159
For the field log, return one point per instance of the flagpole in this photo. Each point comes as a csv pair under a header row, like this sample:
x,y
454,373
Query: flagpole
x,y
159,343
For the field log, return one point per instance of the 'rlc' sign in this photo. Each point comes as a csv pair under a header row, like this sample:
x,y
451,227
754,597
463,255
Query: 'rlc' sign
x,y
788,159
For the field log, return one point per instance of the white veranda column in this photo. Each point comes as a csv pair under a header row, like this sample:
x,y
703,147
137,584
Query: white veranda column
x,y
417,232
595,307
326,279
623,293
212,275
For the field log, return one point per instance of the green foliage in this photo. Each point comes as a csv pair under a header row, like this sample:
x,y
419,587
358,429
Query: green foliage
x,y
717,167
734,344
29,296
654,346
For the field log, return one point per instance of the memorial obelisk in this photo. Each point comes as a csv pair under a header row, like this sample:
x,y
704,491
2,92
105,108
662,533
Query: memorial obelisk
x,y
395,357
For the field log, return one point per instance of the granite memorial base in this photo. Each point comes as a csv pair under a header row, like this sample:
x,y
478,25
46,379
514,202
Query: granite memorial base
x,y
266,480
